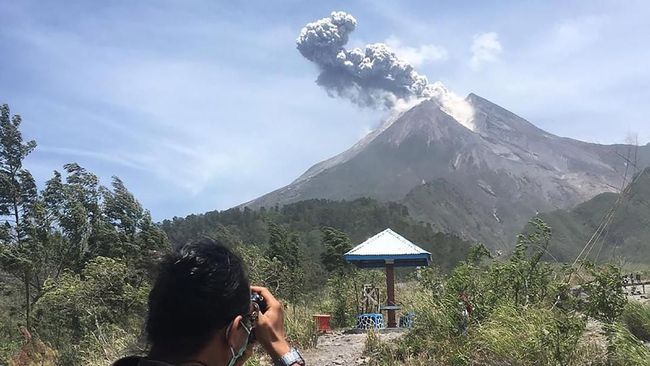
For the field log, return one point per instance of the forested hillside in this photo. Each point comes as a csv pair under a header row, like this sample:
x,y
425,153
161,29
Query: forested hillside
x,y
359,219
623,219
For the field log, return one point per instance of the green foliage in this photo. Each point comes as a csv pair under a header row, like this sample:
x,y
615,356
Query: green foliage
x,y
478,253
340,290
606,297
521,280
626,235
76,260
16,184
75,257
520,313
284,246
526,276
284,249
335,245
81,309
430,279
528,336
10,318
74,220
341,297
358,219
636,317
262,271
321,229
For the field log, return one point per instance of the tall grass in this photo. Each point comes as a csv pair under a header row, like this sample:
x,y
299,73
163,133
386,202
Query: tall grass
x,y
300,326
636,317
526,336
628,350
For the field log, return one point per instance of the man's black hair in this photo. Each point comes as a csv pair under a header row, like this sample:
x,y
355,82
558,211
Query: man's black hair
x,y
199,290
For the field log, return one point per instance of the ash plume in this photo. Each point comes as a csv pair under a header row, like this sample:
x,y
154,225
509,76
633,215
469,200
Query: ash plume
x,y
370,77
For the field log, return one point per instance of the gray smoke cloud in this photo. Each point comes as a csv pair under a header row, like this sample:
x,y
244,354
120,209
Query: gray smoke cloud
x,y
371,77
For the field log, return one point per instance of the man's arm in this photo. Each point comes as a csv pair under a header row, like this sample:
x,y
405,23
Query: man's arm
x,y
270,331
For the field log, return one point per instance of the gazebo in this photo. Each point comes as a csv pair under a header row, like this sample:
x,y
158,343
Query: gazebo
x,y
388,249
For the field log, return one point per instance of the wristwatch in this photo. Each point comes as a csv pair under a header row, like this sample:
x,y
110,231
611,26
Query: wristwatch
x,y
290,358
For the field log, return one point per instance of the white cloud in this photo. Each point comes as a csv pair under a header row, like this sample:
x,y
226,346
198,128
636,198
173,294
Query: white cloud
x,y
485,48
573,36
417,56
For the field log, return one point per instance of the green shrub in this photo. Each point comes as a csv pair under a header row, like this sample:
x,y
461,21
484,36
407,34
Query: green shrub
x,y
99,309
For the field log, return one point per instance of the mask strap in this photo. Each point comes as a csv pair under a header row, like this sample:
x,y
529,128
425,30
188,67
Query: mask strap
x,y
235,357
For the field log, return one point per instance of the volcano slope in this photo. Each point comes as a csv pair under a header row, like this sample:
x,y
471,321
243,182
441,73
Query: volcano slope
x,y
482,182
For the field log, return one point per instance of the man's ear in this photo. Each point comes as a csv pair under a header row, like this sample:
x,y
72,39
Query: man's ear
x,y
232,334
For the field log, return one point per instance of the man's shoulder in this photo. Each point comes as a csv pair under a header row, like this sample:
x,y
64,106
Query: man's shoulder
x,y
138,361
128,361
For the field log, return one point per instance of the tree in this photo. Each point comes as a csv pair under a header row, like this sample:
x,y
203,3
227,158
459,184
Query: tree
x,y
17,200
335,244
72,220
284,249
13,151
127,228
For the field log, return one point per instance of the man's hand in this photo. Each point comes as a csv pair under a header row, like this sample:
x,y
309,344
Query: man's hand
x,y
270,331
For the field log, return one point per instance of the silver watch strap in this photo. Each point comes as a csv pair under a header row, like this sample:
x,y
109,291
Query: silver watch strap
x,y
290,358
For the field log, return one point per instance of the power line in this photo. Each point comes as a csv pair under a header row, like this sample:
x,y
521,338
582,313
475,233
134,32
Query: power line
x,y
607,219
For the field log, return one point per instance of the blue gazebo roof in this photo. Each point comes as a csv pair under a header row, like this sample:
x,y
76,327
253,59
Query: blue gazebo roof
x,y
388,247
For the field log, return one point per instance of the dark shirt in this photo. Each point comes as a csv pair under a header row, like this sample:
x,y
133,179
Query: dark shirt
x,y
139,361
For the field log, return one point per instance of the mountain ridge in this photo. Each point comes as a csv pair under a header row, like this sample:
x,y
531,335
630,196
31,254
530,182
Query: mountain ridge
x,y
504,168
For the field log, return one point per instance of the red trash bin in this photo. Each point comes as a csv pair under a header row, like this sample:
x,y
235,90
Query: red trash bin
x,y
323,323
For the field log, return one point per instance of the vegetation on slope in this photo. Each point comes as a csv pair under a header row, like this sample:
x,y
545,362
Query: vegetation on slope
x,y
517,311
358,219
626,236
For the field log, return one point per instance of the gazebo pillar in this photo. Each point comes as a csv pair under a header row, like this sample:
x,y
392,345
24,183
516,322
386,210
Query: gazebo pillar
x,y
389,266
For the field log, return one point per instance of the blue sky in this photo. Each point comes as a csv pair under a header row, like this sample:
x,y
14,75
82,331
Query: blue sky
x,y
202,105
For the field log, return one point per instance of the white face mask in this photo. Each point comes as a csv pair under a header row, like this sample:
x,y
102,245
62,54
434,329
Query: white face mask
x,y
236,356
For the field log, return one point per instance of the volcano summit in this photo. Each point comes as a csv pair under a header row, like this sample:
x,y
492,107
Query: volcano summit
x,y
466,166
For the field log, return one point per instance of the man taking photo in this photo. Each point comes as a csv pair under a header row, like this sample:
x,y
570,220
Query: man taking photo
x,y
201,313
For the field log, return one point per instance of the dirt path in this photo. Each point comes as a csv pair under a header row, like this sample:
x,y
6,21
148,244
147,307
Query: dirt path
x,y
341,349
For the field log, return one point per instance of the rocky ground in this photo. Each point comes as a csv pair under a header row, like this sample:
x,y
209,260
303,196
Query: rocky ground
x,y
343,349
642,298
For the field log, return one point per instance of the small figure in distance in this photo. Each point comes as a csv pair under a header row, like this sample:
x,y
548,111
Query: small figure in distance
x,y
201,313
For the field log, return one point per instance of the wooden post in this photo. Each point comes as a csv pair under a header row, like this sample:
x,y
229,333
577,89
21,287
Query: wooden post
x,y
390,292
